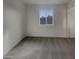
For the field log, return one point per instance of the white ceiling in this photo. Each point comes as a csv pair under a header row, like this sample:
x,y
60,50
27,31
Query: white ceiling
x,y
45,1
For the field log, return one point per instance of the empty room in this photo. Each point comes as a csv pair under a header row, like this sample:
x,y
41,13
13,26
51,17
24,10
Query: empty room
x,y
38,29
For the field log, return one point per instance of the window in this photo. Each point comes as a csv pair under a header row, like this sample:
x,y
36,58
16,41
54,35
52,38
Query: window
x,y
46,17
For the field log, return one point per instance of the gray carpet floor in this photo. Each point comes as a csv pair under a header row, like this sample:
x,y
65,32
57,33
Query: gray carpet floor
x,y
43,48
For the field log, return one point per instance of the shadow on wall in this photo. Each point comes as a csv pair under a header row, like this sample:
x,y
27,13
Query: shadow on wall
x,y
12,24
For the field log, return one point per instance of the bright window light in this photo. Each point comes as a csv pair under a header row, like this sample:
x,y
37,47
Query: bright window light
x,y
46,16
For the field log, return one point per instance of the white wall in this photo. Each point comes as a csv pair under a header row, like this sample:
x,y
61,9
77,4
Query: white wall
x,y
32,21
19,22
12,24
71,18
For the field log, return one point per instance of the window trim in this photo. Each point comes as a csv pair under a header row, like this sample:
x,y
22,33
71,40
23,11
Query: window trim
x,y
46,20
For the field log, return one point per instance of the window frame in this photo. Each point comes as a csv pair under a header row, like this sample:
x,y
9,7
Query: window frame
x,y
46,19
